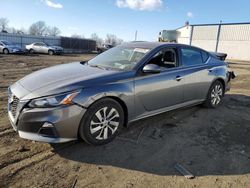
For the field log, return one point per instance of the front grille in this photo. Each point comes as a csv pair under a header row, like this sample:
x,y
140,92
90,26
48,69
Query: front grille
x,y
13,105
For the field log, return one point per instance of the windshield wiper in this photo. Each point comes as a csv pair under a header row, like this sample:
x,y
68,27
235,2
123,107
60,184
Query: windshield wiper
x,y
97,66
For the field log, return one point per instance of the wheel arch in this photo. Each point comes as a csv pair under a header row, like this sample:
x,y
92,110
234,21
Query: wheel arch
x,y
51,50
115,98
6,49
222,81
124,107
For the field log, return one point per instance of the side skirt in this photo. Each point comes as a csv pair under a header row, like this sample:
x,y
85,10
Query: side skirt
x,y
162,110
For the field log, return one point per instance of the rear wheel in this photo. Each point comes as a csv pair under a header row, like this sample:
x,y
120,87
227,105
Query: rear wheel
x,y
6,51
102,122
214,95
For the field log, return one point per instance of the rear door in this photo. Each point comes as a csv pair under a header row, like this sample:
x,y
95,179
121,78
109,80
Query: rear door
x,y
43,48
36,47
1,47
161,90
195,73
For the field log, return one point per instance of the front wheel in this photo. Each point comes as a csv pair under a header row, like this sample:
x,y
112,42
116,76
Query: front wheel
x,y
51,52
31,51
214,95
102,122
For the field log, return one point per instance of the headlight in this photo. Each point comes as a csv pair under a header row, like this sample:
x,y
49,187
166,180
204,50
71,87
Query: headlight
x,y
53,101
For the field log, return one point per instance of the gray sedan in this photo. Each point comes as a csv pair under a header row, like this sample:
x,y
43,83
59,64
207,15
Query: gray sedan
x,y
7,47
93,100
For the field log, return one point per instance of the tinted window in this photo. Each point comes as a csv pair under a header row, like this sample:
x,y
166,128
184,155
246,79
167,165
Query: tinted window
x,y
191,57
205,56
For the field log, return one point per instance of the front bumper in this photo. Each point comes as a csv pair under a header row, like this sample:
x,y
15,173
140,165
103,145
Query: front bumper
x,y
16,51
64,122
37,137
58,51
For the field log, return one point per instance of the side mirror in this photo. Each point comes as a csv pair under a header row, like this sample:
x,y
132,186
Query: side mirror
x,y
151,68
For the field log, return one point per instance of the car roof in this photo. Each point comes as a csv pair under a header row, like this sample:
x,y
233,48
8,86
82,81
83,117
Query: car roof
x,y
151,45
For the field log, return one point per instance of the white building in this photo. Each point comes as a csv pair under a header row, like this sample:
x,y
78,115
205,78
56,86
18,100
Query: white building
x,y
231,38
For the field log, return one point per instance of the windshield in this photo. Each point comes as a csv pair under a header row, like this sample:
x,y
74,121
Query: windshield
x,y
121,58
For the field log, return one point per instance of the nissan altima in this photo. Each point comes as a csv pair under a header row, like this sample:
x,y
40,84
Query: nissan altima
x,y
93,100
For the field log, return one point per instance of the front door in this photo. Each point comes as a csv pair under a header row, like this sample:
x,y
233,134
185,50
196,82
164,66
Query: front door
x,y
161,90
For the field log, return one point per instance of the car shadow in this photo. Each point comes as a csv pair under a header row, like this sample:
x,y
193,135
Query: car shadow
x,y
204,141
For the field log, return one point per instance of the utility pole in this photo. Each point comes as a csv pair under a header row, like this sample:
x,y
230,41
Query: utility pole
x,y
136,35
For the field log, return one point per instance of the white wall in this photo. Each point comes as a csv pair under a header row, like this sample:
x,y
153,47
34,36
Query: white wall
x,y
234,39
184,37
205,37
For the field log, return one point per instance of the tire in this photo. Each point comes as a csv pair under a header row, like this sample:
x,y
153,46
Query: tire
x,y
95,129
215,95
51,52
31,51
5,51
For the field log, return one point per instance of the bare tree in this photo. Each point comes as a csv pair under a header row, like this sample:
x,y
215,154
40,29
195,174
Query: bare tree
x,y
53,31
4,24
22,30
13,30
38,28
98,40
113,40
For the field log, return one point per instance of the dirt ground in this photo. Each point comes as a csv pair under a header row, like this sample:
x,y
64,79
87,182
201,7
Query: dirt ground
x,y
213,144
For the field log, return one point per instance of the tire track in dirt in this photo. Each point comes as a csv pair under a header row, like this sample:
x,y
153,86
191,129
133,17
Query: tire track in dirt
x,y
6,131
7,172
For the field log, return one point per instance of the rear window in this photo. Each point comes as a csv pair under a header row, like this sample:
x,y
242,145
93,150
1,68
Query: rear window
x,y
205,56
191,57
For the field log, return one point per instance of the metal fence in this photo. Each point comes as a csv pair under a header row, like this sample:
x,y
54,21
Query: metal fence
x,y
77,44
70,45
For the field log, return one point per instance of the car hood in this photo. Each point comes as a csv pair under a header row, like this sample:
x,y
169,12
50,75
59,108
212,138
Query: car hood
x,y
55,47
63,78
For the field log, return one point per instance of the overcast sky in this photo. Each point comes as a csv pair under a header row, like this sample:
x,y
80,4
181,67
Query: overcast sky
x,y
122,17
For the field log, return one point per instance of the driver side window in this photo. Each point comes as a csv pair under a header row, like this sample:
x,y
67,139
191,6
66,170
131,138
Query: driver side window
x,y
165,58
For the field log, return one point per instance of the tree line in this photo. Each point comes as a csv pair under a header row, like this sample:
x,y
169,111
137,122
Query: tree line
x,y
40,28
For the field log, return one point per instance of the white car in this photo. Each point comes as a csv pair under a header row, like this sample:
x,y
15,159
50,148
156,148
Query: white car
x,y
41,47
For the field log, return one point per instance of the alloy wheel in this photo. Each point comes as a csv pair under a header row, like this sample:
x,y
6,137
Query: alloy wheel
x,y
216,94
104,123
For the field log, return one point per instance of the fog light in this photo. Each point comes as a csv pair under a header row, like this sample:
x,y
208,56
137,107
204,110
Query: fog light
x,y
48,125
48,130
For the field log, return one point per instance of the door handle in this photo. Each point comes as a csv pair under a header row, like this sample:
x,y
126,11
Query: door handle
x,y
178,78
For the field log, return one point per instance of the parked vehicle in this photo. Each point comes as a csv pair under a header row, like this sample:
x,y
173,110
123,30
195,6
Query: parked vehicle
x,y
7,47
104,47
41,47
168,36
93,100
